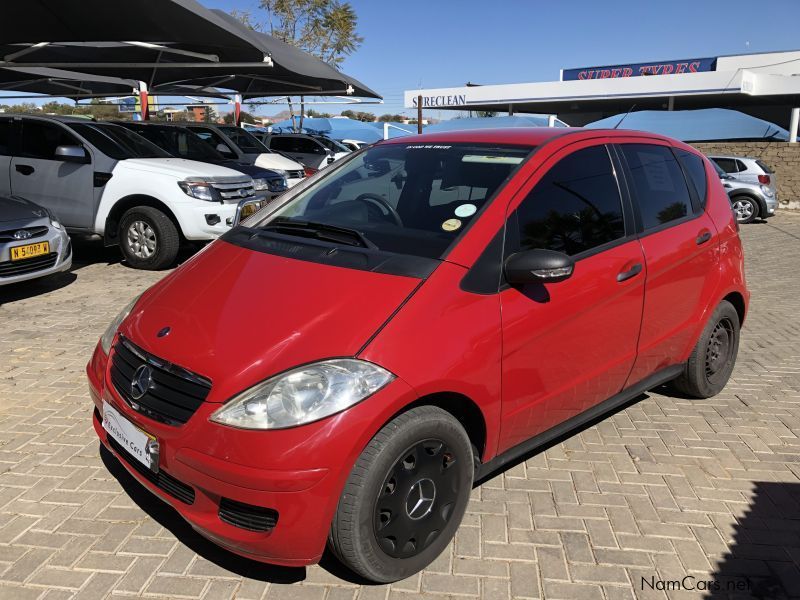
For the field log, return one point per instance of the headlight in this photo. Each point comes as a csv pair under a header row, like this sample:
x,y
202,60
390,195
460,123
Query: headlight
x,y
54,221
199,189
766,191
278,185
108,336
259,184
303,395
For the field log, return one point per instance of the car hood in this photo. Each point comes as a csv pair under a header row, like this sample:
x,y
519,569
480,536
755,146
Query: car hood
x,y
251,170
238,316
177,167
273,160
18,209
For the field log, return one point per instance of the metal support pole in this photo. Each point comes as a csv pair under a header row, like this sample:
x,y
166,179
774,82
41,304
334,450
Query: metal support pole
x,y
510,110
794,125
671,103
419,114
551,120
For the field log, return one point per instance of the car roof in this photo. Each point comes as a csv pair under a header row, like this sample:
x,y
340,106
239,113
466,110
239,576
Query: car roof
x,y
524,136
731,157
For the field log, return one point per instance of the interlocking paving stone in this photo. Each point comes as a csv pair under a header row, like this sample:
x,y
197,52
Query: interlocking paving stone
x,y
666,488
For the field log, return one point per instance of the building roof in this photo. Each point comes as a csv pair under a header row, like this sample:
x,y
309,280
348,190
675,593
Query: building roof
x,y
764,85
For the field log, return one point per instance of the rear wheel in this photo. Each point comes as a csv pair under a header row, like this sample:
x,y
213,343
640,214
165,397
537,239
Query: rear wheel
x,y
405,497
745,208
148,238
711,363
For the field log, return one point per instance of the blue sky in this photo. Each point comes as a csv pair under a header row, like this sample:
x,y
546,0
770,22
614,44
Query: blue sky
x,y
448,42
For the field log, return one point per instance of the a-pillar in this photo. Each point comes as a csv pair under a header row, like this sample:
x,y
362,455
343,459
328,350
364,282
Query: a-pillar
x,y
793,125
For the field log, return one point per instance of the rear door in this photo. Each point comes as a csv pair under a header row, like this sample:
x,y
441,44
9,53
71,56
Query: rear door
x,y
680,246
570,345
66,188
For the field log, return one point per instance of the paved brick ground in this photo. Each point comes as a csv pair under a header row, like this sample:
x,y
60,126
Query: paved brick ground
x,y
664,490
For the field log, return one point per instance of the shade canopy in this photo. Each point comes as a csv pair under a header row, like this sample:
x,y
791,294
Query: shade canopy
x,y
492,123
67,84
337,129
164,42
709,124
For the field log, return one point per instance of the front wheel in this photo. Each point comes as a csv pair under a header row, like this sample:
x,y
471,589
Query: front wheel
x,y
405,497
711,363
148,238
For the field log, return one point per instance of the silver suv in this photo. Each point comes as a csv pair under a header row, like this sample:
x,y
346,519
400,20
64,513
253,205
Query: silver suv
x,y
748,200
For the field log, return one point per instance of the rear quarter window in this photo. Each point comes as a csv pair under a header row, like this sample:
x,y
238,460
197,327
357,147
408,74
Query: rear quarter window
x,y
695,169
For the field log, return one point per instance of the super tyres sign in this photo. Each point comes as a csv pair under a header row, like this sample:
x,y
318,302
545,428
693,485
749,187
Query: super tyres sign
x,y
669,67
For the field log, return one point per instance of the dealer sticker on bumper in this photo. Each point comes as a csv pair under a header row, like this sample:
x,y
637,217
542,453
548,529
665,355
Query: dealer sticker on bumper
x,y
141,446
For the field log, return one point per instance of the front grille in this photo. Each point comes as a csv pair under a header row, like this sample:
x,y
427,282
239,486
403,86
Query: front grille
x,y
247,516
11,268
7,235
174,393
234,190
298,174
162,480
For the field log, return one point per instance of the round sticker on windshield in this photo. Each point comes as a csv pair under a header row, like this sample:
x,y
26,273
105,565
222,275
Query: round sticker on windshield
x,y
451,224
466,210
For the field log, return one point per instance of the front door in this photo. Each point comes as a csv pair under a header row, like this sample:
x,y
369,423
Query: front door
x,y
38,175
570,345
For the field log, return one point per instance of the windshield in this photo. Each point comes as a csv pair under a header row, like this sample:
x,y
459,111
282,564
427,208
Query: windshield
x,y
412,199
246,141
332,144
178,141
117,142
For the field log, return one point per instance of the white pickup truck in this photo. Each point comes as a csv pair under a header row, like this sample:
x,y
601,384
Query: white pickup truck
x,y
102,179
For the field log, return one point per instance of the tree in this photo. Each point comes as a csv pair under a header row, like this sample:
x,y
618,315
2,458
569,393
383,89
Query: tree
x,y
387,118
315,114
324,28
485,113
359,116
244,116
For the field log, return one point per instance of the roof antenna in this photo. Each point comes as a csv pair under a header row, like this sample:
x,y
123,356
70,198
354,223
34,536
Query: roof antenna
x,y
625,116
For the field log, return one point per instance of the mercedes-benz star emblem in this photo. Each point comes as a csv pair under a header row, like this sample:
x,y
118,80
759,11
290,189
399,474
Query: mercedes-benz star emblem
x,y
419,502
141,381
22,234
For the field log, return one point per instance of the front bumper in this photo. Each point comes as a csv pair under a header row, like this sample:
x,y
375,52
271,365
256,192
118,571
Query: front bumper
x,y
209,220
59,259
298,473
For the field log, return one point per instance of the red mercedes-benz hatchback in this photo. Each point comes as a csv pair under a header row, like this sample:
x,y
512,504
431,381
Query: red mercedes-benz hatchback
x,y
341,367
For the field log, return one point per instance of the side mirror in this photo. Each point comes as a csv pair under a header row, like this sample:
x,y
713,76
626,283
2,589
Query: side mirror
x,y
538,266
223,149
75,154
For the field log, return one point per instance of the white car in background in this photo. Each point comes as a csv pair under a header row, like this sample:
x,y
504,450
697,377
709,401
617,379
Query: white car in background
x,y
100,178
314,151
239,144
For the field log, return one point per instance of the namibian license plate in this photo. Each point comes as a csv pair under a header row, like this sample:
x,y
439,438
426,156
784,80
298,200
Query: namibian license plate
x,y
138,444
30,250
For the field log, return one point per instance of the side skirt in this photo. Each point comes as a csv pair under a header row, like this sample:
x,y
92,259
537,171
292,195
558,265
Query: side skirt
x,y
598,410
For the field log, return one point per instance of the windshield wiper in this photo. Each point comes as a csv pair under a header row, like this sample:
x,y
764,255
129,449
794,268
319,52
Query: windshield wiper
x,y
320,231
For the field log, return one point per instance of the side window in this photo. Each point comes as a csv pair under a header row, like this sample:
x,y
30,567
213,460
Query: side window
x,y
660,186
695,168
741,166
40,139
308,146
5,137
575,207
727,164
283,144
212,138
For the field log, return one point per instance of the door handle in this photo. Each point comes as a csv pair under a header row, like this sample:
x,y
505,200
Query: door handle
x,y
632,272
703,237
25,169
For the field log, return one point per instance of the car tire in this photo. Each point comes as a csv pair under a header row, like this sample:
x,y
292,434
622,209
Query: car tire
x,y
745,209
405,496
148,238
712,360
